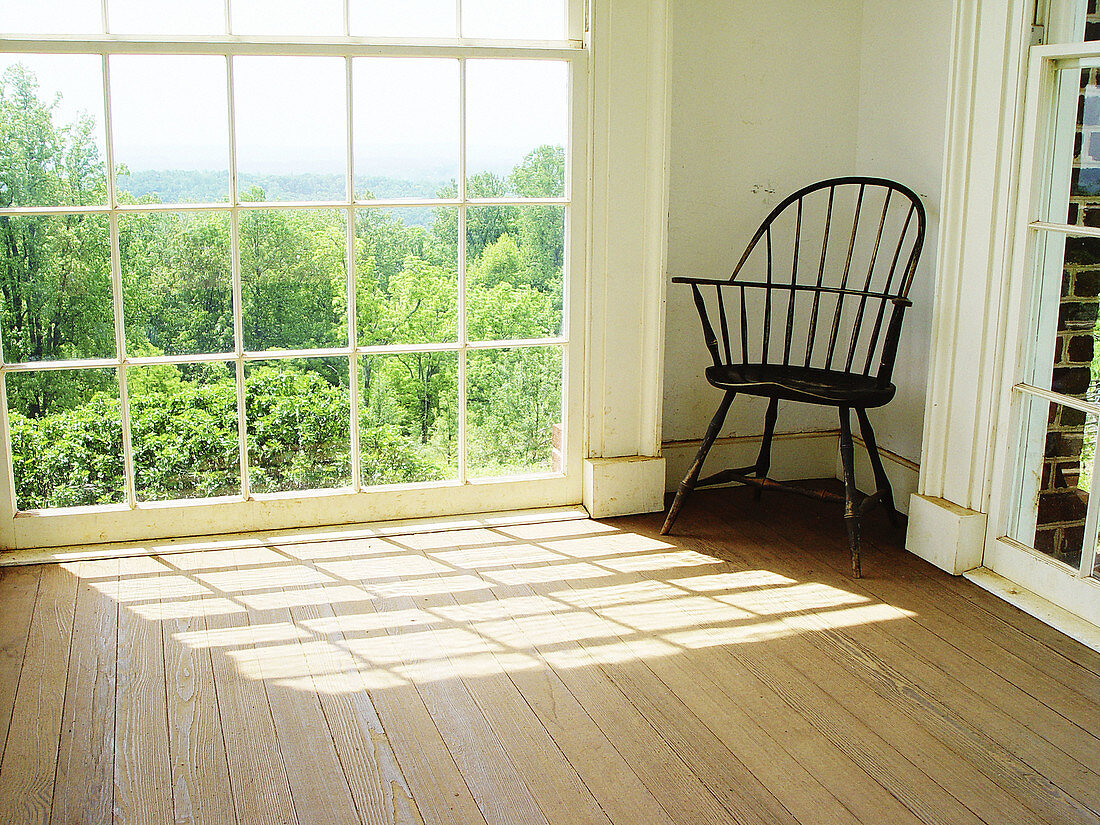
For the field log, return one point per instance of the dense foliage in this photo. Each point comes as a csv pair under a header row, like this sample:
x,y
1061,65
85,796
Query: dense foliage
x,y
176,275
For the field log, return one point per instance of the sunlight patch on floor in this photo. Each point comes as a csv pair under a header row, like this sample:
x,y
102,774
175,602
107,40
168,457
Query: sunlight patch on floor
x,y
367,614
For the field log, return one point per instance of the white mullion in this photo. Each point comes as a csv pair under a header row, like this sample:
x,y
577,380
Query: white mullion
x,y
353,334
228,19
235,267
9,465
300,47
460,264
1081,404
1092,517
458,18
104,18
5,438
575,18
378,203
347,18
116,290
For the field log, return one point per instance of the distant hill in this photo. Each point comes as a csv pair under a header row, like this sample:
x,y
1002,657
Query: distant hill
x,y
186,186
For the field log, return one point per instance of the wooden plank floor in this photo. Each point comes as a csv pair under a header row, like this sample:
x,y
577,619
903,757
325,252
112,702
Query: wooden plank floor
x,y
571,673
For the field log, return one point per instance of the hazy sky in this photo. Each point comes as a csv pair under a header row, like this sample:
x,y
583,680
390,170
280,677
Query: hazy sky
x,y
532,19
170,112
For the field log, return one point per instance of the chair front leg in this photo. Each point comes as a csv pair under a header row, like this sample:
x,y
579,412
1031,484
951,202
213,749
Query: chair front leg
x,y
688,484
851,510
882,483
764,460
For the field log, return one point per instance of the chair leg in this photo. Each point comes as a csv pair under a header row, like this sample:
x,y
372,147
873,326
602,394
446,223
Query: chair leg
x,y
882,483
851,510
764,460
688,484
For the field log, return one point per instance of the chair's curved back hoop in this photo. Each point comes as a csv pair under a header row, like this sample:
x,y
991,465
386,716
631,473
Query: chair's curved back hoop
x,y
835,255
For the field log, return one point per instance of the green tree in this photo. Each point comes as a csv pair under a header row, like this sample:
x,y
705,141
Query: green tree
x,y
293,278
542,227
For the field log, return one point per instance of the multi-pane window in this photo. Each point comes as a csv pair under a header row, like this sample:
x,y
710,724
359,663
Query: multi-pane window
x,y
254,247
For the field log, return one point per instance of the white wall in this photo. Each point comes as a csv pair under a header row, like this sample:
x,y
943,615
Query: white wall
x,y
764,98
905,56
767,97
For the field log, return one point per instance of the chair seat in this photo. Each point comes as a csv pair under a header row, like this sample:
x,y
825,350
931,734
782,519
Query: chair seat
x,y
807,384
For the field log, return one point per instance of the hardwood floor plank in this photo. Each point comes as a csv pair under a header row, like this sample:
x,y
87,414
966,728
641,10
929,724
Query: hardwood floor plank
x,y
318,783
682,794
610,779
438,788
143,774
84,792
756,646
745,795
18,590
378,787
738,706
261,791
500,793
29,766
201,789
559,792
584,673
1003,720
925,726
999,635
982,700
655,683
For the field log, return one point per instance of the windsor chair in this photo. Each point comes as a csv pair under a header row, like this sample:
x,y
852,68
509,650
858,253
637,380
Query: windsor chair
x,y
812,313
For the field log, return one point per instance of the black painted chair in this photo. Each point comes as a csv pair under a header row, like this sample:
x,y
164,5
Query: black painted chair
x,y
812,313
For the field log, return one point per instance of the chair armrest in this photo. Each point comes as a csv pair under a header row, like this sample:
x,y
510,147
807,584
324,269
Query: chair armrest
x,y
683,279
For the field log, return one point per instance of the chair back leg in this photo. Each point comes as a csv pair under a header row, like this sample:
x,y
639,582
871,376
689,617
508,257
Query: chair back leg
x,y
851,508
882,483
764,460
688,484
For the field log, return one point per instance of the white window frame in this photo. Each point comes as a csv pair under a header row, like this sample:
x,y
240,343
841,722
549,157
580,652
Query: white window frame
x,y
249,512
1075,590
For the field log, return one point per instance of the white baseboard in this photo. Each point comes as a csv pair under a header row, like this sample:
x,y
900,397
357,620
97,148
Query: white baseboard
x,y
945,534
623,485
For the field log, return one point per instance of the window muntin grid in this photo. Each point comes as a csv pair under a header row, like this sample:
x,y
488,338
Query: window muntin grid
x,y
351,51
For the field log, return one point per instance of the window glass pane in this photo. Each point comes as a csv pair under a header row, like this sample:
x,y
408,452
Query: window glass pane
x,y
406,127
298,423
517,119
66,438
167,17
57,288
408,417
291,128
514,271
1067,300
513,411
406,280
183,425
288,17
51,17
293,278
175,147
1058,444
409,18
176,282
514,19
51,128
